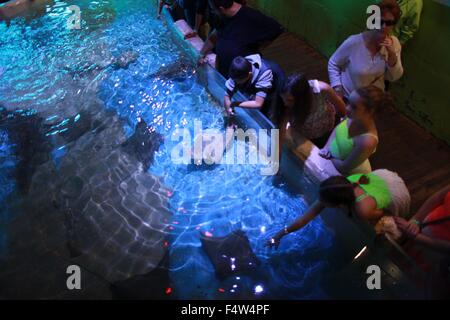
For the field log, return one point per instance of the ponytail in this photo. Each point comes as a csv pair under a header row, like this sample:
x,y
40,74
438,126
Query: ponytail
x,y
374,99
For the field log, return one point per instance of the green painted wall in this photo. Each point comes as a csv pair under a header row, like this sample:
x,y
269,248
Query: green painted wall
x,y
424,91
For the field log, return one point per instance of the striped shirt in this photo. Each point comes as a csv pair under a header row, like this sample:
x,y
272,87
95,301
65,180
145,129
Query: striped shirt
x,y
262,79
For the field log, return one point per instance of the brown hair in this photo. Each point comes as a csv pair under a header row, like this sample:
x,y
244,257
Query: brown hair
x,y
375,99
338,190
298,86
392,7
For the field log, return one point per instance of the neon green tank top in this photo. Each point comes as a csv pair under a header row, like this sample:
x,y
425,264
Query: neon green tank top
x,y
377,188
342,145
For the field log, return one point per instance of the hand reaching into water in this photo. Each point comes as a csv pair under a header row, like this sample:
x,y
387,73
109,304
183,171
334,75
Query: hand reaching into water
x,y
274,242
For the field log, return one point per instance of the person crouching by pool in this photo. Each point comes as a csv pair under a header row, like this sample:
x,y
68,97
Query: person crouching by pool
x,y
369,197
309,108
255,77
355,139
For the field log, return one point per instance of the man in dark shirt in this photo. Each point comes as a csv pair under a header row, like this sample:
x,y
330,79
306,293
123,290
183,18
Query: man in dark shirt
x,y
205,14
240,32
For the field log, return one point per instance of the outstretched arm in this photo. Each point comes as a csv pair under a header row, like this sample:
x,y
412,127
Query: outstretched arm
x,y
432,203
252,104
302,221
210,43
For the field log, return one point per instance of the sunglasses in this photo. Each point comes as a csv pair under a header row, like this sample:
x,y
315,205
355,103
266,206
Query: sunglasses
x,y
388,23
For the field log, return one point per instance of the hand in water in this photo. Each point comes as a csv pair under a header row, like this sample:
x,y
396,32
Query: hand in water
x,y
274,242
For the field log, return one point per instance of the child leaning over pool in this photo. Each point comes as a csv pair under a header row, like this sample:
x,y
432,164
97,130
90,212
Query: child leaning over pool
x,y
369,197
256,77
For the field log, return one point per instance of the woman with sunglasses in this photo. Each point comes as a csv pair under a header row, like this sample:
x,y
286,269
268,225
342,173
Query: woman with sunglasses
x,y
368,58
409,23
355,139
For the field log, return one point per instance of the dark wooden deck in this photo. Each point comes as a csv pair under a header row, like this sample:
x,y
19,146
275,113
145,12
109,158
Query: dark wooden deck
x,y
422,160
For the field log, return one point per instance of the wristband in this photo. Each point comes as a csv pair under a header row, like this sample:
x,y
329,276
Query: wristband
x,y
418,223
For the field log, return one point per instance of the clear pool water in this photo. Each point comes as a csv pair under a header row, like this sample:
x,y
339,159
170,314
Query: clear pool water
x,y
72,192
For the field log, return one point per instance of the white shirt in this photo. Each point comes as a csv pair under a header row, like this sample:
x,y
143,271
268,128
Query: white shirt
x,y
353,67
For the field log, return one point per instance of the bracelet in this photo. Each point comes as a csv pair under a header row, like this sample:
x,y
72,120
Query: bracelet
x,y
418,223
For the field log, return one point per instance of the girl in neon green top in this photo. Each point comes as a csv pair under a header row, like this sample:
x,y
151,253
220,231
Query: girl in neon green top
x,y
369,197
355,139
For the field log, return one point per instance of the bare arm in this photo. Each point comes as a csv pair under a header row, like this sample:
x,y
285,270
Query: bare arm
x,y
412,231
363,149
432,203
334,98
227,103
210,43
301,221
330,139
198,21
253,104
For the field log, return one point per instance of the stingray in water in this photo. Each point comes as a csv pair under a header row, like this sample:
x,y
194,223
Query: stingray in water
x,y
143,144
231,254
175,70
123,61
